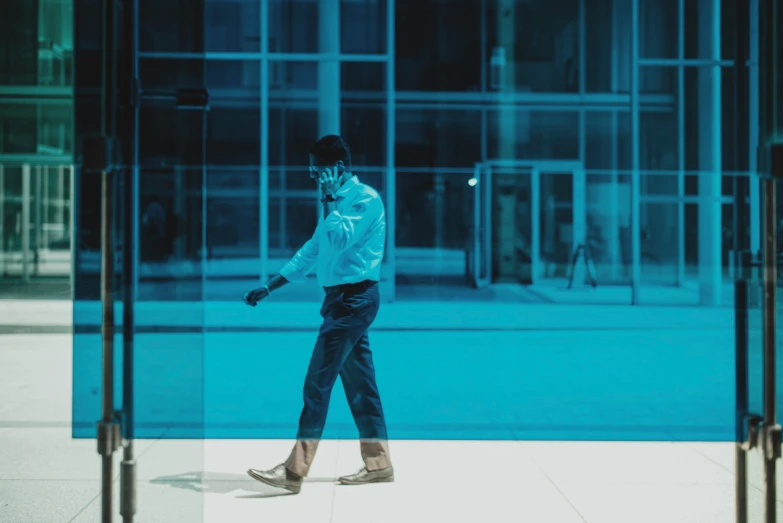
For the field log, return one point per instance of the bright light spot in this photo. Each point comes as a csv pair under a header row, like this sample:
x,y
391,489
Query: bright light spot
x,y
472,182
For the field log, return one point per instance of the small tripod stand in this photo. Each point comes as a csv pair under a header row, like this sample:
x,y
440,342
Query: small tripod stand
x,y
583,249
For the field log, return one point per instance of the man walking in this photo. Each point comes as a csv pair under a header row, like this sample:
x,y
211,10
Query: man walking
x,y
347,249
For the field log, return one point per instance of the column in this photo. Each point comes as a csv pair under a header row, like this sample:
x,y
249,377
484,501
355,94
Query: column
x,y
506,116
681,144
389,289
613,231
502,202
263,186
328,74
709,111
635,199
329,69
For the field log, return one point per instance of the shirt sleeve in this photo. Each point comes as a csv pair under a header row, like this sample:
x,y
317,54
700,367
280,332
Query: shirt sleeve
x,y
297,269
343,229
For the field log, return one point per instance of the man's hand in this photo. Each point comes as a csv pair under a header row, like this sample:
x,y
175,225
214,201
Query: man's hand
x,y
256,295
329,181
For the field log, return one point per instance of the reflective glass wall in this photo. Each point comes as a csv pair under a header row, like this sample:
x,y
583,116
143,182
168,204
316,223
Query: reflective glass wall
x,y
36,143
424,91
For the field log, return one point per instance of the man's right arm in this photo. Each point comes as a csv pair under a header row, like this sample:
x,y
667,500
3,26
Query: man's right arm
x,y
300,265
296,270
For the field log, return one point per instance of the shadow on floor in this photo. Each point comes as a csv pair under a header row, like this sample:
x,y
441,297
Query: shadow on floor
x,y
225,483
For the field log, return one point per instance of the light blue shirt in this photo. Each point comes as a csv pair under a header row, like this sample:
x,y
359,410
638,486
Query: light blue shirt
x,y
347,245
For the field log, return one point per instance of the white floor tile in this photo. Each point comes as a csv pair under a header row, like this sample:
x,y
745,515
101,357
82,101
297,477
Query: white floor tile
x,y
240,455
626,462
653,503
452,498
45,501
418,462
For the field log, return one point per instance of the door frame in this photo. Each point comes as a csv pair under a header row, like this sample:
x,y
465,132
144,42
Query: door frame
x,y
482,210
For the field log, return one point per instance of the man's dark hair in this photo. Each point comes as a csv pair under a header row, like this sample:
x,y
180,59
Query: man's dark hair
x,y
331,149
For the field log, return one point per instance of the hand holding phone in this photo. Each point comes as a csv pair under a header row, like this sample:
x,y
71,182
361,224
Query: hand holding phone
x,y
329,180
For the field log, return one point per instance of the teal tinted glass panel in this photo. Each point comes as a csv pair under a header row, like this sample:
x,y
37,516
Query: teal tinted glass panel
x,y
224,370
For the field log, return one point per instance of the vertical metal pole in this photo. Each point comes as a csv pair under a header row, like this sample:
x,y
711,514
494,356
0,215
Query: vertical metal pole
x,y
25,222
775,168
37,228
579,209
484,80
483,42
391,174
59,212
754,127
680,143
636,249
486,210
770,284
613,237
108,434
205,247
73,205
283,205
579,177
44,205
582,39
741,126
741,396
130,244
740,182
263,187
107,331
3,239
535,233
476,259
579,216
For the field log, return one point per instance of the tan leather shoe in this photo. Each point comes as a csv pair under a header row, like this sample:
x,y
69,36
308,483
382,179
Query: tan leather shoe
x,y
279,477
365,476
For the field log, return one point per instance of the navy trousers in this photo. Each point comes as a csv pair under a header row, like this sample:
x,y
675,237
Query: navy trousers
x,y
343,349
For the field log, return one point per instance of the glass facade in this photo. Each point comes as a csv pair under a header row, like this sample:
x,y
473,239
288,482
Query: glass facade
x,y
36,140
551,152
647,130
509,176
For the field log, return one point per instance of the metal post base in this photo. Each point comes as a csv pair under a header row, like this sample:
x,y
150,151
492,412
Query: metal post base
x,y
108,442
128,484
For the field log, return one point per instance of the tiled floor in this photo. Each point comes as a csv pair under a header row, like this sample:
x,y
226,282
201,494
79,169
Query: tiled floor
x,y
45,476
192,481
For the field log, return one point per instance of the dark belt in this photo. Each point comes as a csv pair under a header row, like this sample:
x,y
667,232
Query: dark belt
x,y
351,288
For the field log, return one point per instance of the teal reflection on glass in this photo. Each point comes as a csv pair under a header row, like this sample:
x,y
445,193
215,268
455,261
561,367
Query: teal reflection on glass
x,y
512,372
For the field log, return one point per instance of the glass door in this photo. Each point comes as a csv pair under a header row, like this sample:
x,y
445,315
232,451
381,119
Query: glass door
x,y
529,221
564,247
758,477
759,370
514,243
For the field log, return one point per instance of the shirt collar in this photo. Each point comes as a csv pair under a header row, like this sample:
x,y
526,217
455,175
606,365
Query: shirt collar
x,y
348,186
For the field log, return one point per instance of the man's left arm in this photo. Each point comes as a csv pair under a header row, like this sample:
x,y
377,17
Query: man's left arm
x,y
343,229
